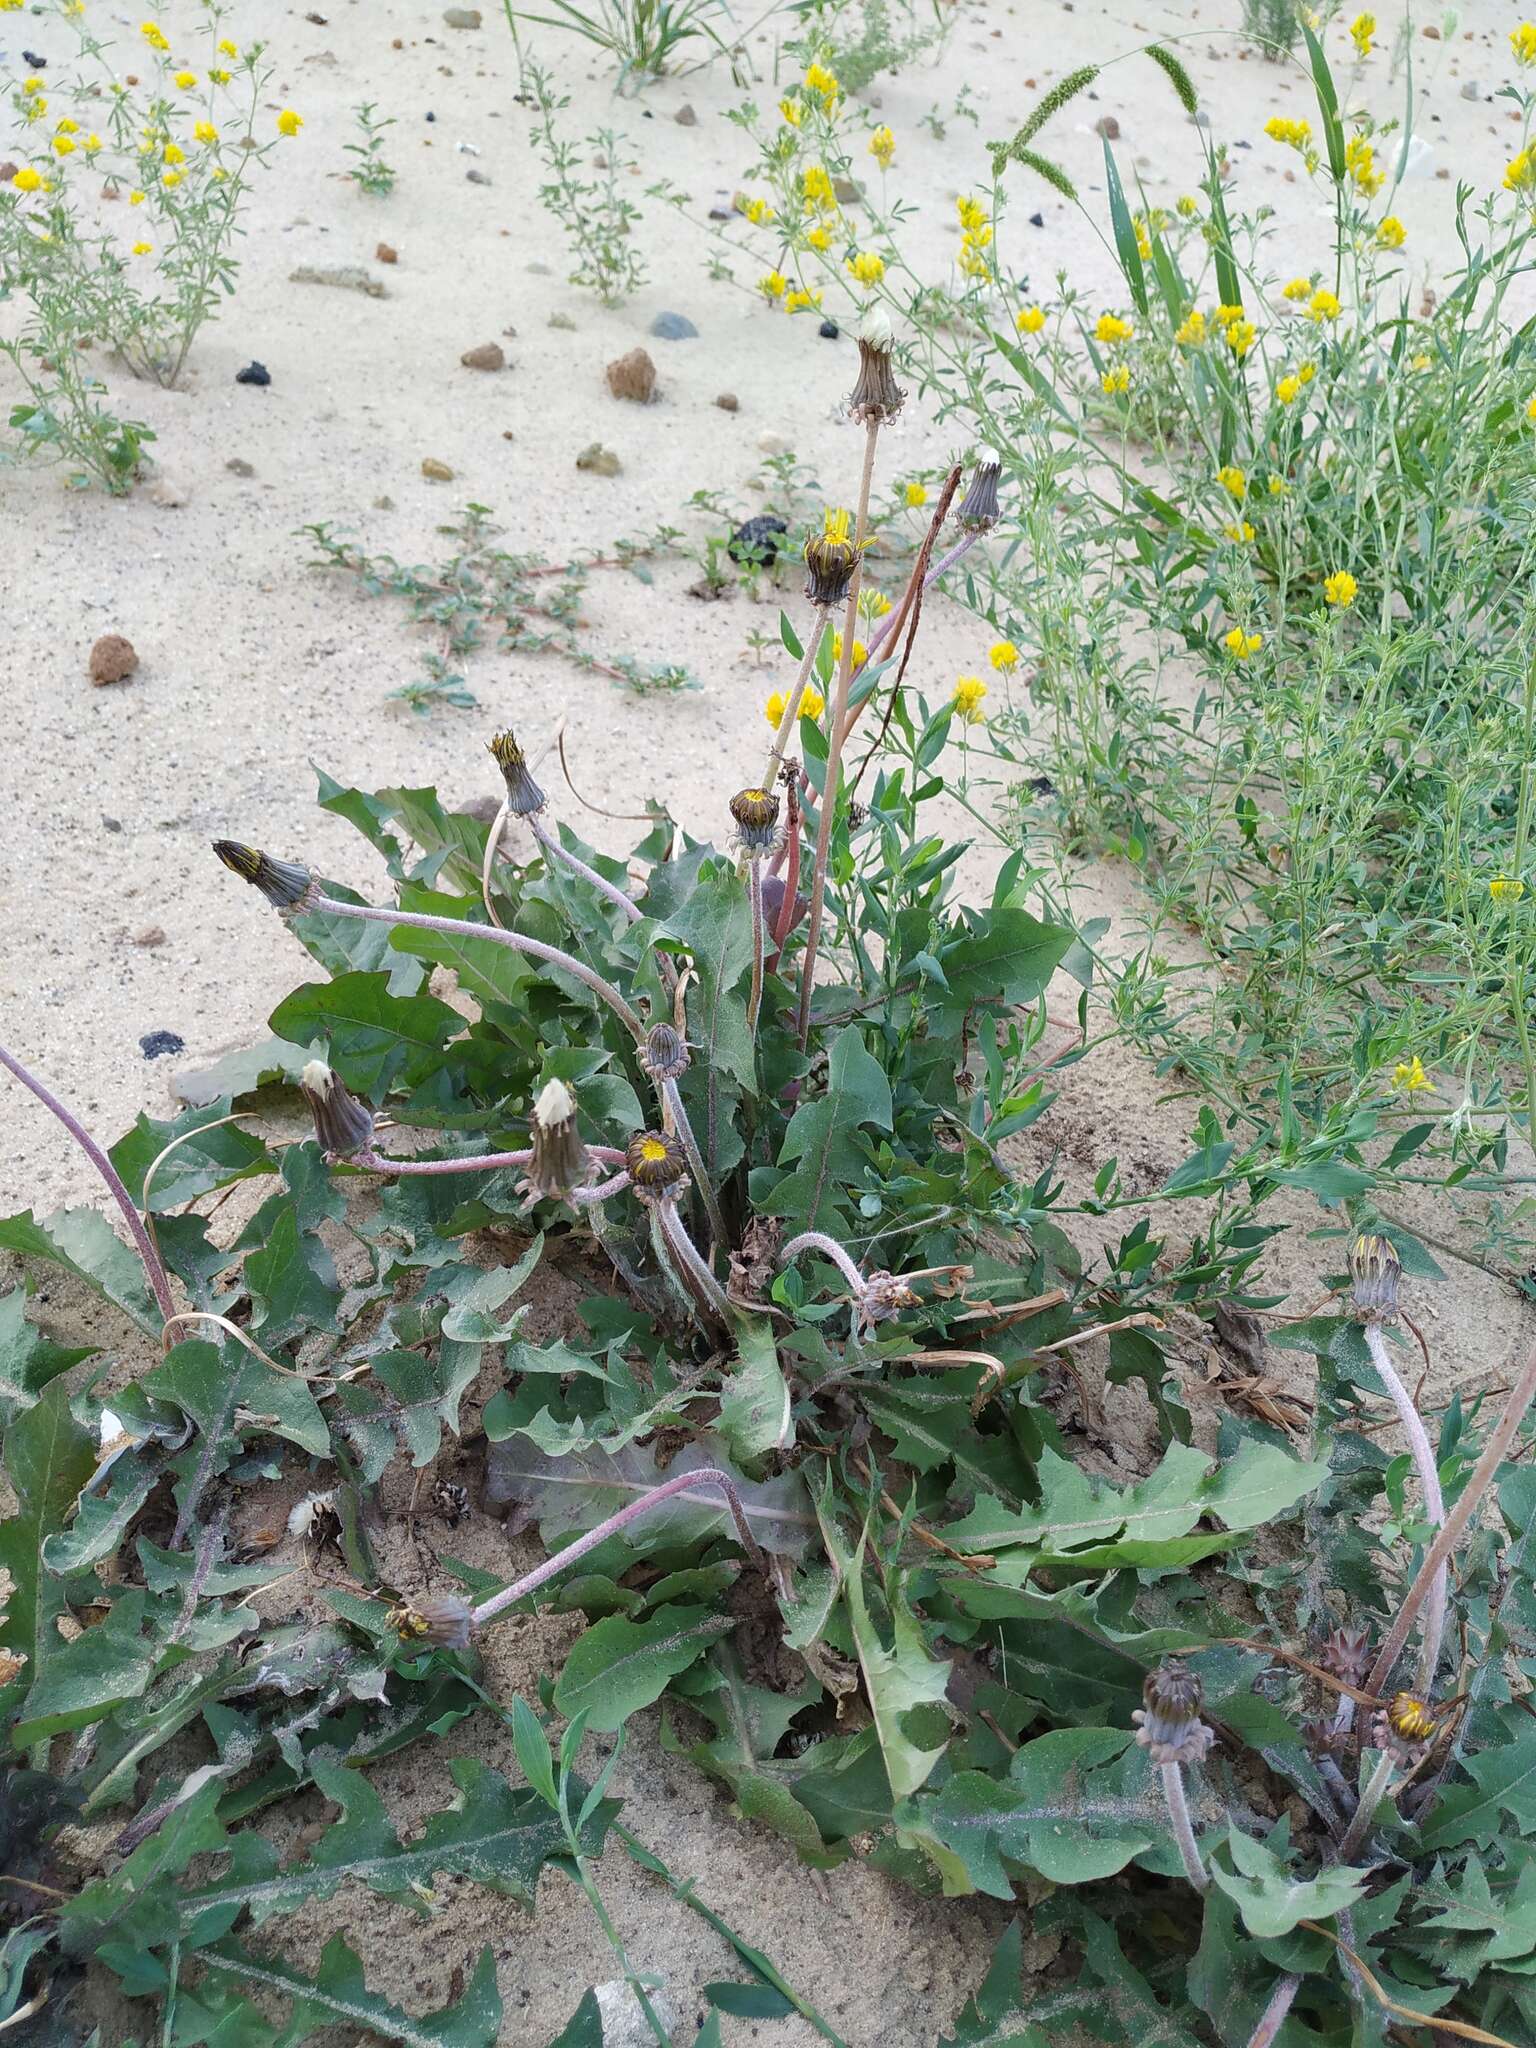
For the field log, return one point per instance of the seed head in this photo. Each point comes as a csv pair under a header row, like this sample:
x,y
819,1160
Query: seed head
x,y
664,1055
655,1161
445,1624
343,1125
979,509
1168,1724
524,795
876,396
1375,1269
559,1160
756,812
285,883
885,1295
830,560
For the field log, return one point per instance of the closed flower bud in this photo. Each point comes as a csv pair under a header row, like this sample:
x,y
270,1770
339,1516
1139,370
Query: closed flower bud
x,y
559,1160
830,560
343,1125
285,883
1374,1270
524,795
1413,1720
756,812
656,1162
664,1055
1168,1724
1347,1655
876,397
445,1624
980,509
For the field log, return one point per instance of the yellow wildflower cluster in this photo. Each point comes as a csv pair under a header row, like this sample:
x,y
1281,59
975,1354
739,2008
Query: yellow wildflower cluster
x,y
1339,589
1288,390
1233,482
1191,329
1520,176
773,285
758,211
1004,657
882,147
1298,288
860,652
1240,533
154,35
1323,305
1240,644
866,266
1360,165
967,697
1362,33
1116,382
975,237
1410,1076
914,495
820,81
1506,889
1030,320
802,302
1295,135
812,705
1522,41
816,187
1111,329
1390,232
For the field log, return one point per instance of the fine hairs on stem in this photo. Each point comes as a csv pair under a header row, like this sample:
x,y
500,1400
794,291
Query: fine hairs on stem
x,y
154,1269
1434,1500
835,743
1183,1827
755,893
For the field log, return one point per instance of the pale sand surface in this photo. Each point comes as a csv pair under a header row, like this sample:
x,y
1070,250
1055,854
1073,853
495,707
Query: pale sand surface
x,y
254,667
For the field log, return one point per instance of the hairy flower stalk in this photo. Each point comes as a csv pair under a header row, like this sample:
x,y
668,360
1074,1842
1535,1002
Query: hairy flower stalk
x,y
789,723
703,1475
835,728
154,1268
1375,1270
240,860
1169,1728
756,812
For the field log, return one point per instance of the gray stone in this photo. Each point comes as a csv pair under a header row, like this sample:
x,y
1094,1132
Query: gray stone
x,y
685,117
488,356
476,177
238,466
345,277
846,192
728,402
462,17
673,327
599,461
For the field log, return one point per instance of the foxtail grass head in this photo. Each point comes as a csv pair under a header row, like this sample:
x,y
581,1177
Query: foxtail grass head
x,y
981,508
559,1161
343,1125
524,796
876,398
286,884
830,560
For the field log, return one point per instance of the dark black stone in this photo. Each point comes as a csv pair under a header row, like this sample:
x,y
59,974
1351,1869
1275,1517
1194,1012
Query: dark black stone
x,y
757,540
431,117
828,330
155,1044
111,824
33,62
254,373
1037,220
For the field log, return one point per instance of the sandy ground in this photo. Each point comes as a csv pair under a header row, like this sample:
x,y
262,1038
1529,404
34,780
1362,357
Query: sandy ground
x,y
254,667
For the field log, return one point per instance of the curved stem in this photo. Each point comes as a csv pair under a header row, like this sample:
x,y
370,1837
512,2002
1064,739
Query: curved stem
x,y
704,1475
755,891
1183,1827
492,842
611,890
1272,2019
829,1248
1434,1501
478,1162
835,725
154,1269
788,723
672,1101
461,928
888,625
604,1191
692,1267
1519,1400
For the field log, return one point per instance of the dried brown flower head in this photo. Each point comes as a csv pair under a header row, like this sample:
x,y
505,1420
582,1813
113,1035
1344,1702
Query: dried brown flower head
x,y
343,1125
1168,1724
559,1160
524,795
285,883
445,1624
980,508
876,396
1347,1655
1374,1270
830,560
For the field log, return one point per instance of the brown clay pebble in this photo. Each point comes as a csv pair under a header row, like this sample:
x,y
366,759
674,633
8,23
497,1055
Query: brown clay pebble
x,y
112,659
384,254
150,935
436,472
728,402
7,172
633,377
1108,127
488,356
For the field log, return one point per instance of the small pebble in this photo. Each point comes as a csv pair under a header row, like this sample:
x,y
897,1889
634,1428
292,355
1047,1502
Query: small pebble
x,y
828,330
724,207
385,254
685,117
8,171
1107,126
156,1044
113,659
384,504
673,327
476,177
238,466
1471,89
728,402
599,461
1037,220
773,444
462,17
846,192
633,376
149,935
344,277
254,373
563,322
111,824
436,472
757,540
488,356
169,493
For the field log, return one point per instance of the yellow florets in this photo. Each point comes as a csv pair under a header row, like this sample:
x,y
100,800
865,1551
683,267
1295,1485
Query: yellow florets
x,y
866,267
860,651
802,302
63,145
1030,320
1522,41
817,187
1391,234
288,122
1410,1076
142,249
227,48
154,35
1186,206
791,111
1360,163
1362,33
1506,889
1233,482
27,180
812,704
1004,657
819,80
1288,390
1241,335
773,285
967,697
1323,305
174,153
882,147
971,211
758,211
1520,173
204,131
819,237
186,80
1111,329
1340,588
915,494
1191,329
171,179
1116,382
1298,288
1240,644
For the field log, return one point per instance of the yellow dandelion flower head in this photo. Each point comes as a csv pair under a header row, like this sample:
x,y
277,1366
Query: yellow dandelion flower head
x,y
1233,481
882,147
967,696
288,122
1506,889
915,494
1240,644
835,523
1340,589
1110,328
1004,657
867,266
1030,320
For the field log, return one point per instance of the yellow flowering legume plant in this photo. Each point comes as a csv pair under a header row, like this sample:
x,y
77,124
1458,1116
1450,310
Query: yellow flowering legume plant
x,y
117,230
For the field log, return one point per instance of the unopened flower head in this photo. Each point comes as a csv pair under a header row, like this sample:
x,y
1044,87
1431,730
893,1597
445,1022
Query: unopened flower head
x,y
559,1160
1168,1724
664,1055
756,812
1374,1271
343,1125
656,1163
1404,1728
830,560
445,1624
1347,1655
524,796
285,883
980,508
877,397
